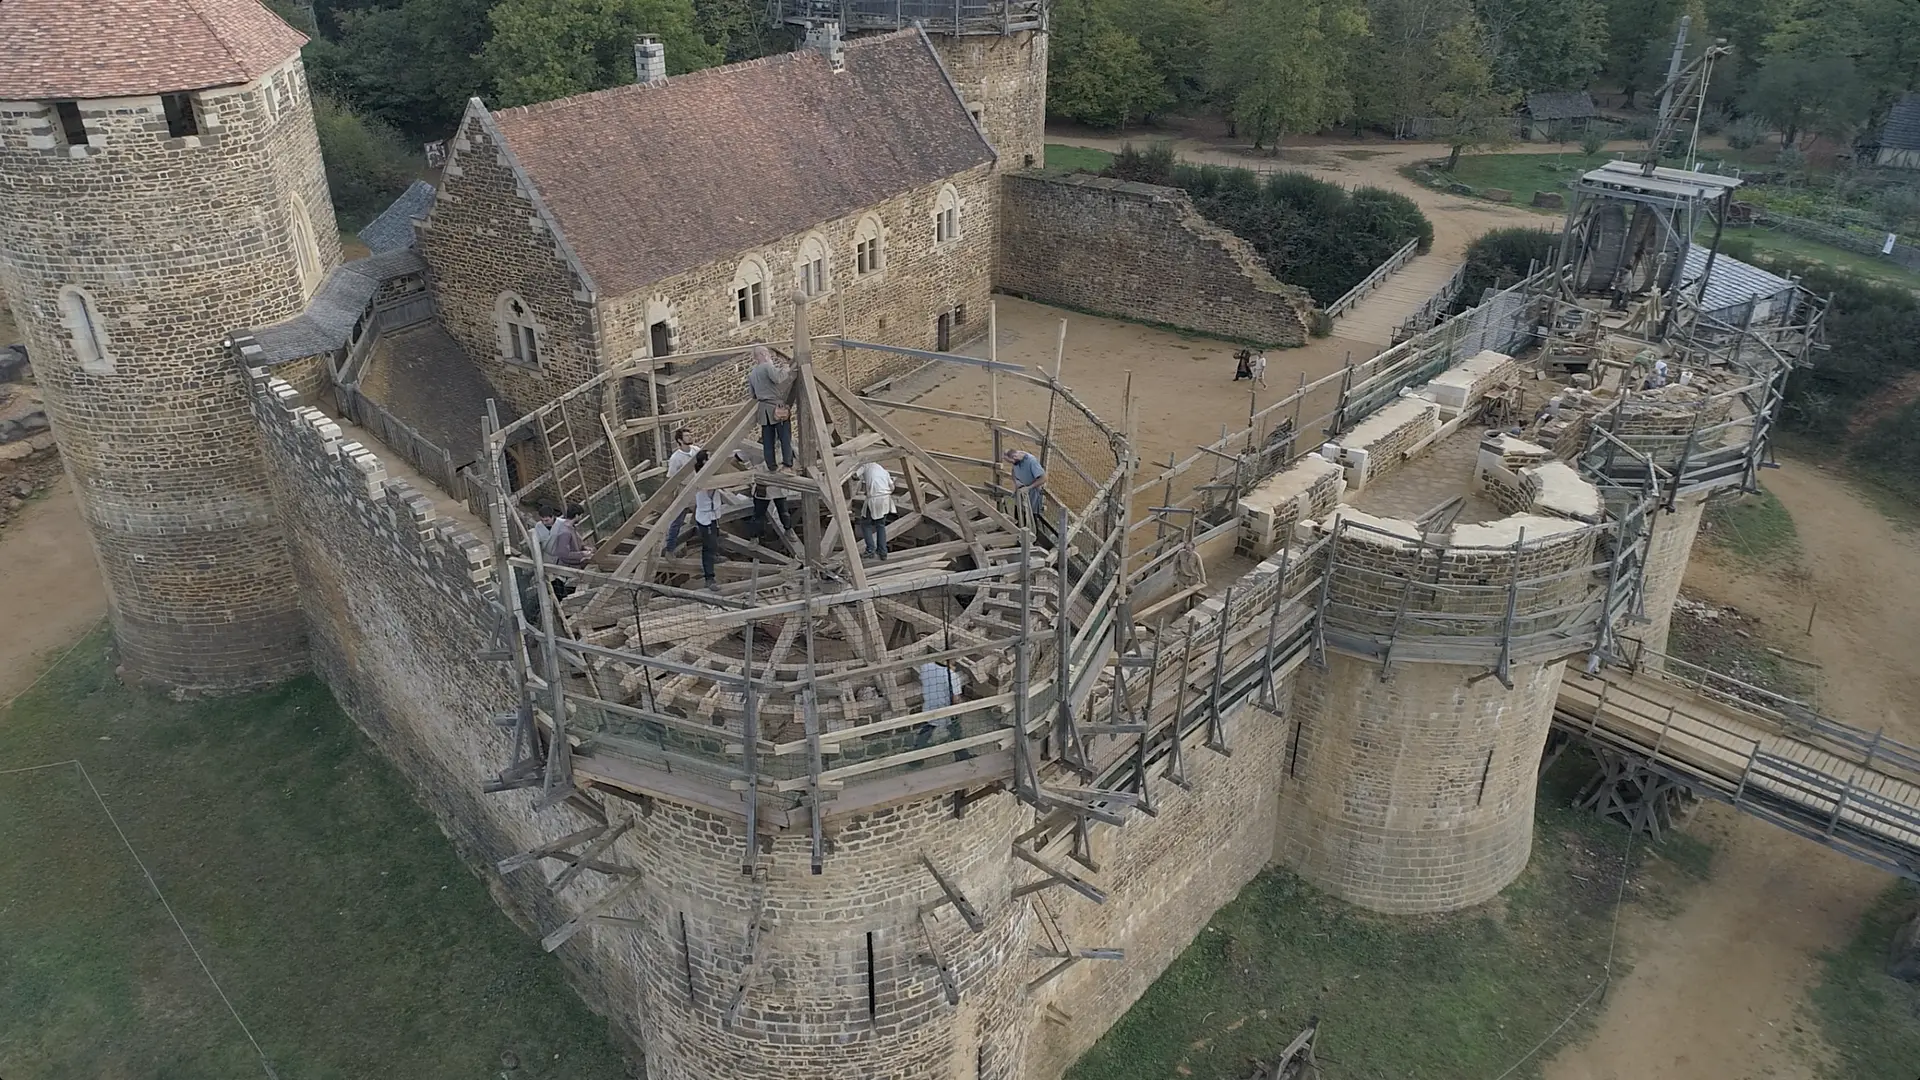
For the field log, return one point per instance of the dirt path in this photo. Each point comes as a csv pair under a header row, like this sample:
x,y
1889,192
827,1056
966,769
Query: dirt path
x,y
1720,989
49,587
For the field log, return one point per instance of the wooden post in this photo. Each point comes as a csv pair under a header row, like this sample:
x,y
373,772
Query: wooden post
x,y
993,385
1053,392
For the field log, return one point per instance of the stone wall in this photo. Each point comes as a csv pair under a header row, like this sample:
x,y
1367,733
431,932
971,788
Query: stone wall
x,y
1139,251
1668,550
484,236
1003,80
1307,489
1165,876
155,434
918,282
1413,794
1387,435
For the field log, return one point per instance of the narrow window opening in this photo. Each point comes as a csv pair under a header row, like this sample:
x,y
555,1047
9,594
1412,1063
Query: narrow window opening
x,y
1486,770
181,120
686,953
72,125
522,335
873,982
959,314
85,333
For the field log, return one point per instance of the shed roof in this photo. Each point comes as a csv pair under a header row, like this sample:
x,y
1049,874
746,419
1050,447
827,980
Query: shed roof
x,y
1903,124
393,229
58,49
336,306
645,181
1733,282
1561,105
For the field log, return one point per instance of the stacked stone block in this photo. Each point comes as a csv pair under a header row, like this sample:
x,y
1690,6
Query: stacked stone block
x,y
176,241
1379,444
1003,80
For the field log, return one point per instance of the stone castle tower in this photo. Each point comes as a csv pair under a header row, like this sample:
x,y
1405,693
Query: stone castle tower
x,y
995,51
160,186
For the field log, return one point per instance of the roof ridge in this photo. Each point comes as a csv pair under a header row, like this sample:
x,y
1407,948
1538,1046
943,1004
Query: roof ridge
x,y
213,31
609,92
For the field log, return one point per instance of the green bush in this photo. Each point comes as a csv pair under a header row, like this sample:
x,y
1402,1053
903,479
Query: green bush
x,y
1311,233
368,165
1593,140
1746,133
1502,257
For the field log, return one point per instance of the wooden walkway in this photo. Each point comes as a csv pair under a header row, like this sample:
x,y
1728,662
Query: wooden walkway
x,y
1374,319
1838,785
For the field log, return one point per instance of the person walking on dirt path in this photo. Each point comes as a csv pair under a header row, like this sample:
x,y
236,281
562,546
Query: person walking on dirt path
x,y
1242,365
1258,369
772,384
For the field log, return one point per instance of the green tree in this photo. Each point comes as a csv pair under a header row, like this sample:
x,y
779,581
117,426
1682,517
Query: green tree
x,y
740,29
1544,44
412,66
1281,65
1798,95
367,164
1472,112
1178,37
1639,43
1098,73
546,49
1393,70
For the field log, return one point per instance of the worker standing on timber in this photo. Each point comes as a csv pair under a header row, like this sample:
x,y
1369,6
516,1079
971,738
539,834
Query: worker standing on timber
x,y
707,509
877,506
772,384
684,449
1029,481
770,516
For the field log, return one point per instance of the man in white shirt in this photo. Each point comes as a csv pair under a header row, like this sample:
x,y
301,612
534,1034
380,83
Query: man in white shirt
x,y
684,451
1259,368
877,487
707,508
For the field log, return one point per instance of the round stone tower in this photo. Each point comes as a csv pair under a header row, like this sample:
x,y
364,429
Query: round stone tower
x,y
859,970
994,50
160,187
1410,787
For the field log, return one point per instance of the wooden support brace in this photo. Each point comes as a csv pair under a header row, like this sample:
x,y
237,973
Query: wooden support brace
x,y
953,896
1055,876
589,856
593,913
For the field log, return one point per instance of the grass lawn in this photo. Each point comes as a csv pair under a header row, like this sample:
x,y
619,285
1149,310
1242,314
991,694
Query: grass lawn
x,y
1757,528
329,907
1522,174
1432,998
1065,159
1870,1017
1769,242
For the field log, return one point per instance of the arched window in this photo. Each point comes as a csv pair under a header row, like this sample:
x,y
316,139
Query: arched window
x,y
519,330
85,331
946,215
869,246
811,268
750,291
306,254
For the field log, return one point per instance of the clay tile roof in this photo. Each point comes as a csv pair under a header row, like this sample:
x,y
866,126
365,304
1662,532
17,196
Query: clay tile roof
x,y
1554,104
647,181
1903,124
59,49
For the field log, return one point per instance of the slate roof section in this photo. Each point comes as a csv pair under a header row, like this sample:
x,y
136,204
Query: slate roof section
x,y
1903,125
61,49
1554,104
393,229
647,181
1733,282
335,307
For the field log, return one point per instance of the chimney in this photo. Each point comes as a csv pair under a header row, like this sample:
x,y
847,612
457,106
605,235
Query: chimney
x,y
825,36
649,61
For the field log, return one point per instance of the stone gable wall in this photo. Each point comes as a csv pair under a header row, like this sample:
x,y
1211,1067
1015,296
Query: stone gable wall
x,y
484,237
1003,79
1139,251
178,242
901,304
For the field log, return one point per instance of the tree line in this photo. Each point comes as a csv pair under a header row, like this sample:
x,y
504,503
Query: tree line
x,y
1275,68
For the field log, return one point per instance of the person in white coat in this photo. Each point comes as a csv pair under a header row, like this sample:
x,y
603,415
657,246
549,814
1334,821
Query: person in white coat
x,y
877,489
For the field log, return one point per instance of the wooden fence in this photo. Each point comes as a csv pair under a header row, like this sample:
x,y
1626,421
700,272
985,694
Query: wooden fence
x,y
1374,280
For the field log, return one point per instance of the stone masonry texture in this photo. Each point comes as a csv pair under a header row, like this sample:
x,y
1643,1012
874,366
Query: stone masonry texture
x,y
1668,550
177,241
1140,251
1414,794
1002,79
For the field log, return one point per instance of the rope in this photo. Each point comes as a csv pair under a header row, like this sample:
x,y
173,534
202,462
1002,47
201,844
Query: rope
x,y
1606,979
48,670
265,1064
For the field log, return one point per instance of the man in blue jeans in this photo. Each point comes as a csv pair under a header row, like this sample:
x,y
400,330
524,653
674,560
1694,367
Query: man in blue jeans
x,y
707,508
1029,480
772,384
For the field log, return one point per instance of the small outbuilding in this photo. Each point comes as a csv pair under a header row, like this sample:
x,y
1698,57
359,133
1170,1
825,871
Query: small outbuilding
x,y
1552,115
1899,145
